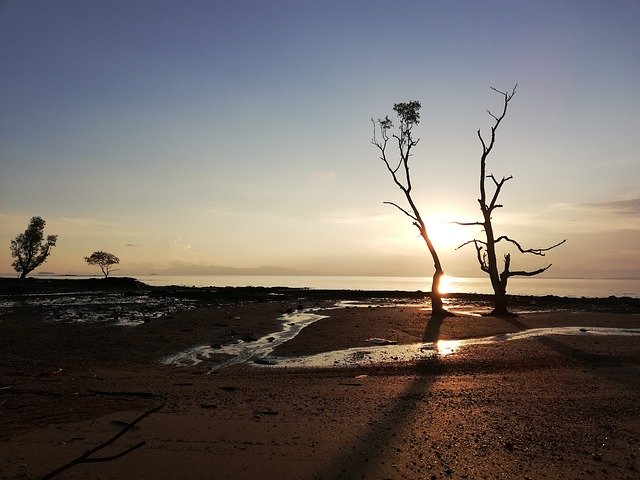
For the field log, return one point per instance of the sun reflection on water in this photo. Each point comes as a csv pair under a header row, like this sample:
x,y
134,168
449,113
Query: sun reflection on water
x,y
447,347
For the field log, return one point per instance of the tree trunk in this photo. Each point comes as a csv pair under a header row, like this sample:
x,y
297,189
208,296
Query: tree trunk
x,y
437,306
500,302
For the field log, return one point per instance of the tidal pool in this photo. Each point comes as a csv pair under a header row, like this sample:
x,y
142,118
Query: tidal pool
x,y
385,354
247,352
259,353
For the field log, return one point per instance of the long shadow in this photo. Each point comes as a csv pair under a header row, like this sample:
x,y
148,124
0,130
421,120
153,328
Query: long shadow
x,y
383,431
432,329
581,357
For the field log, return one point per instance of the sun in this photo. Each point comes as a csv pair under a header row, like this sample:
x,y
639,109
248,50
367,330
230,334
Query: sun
x,y
445,284
444,233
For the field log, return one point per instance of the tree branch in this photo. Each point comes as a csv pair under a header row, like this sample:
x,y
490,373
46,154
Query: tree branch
x,y
528,274
471,241
534,251
406,212
85,457
468,224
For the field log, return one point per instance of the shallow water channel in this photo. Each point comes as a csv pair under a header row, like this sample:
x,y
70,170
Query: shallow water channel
x,y
259,353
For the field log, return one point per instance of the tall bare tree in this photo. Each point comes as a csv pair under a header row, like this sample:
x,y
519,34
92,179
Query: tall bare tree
x,y
486,249
409,115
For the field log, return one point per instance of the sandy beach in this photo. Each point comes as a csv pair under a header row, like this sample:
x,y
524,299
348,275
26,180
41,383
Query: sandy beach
x,y
545,406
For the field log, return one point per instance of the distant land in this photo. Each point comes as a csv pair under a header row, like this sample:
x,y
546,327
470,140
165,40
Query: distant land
x,y
218,270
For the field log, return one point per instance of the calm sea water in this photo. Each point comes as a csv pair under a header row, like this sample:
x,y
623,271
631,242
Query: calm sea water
x,y
563,287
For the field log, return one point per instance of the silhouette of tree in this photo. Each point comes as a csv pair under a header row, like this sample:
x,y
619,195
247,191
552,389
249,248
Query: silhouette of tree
x,y
104,260
29,249
409,115
486,249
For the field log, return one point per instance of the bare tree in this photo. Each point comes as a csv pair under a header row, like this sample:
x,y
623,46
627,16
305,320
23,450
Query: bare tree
x,y
29,249
486,249
409,115
104,260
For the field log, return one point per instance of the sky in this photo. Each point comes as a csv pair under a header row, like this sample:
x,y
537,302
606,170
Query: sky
x,y
239,133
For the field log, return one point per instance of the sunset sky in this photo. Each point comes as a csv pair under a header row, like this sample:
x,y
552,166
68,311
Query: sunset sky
x,y
238,133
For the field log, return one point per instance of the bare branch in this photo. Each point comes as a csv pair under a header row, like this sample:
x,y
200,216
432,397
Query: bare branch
x,y
534,251
471,241
498,184
467,224
86,456
117,455
489,112
484,146
406,212
528,274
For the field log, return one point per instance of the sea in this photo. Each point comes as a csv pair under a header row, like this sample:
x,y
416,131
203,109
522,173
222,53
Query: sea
x,y
537,286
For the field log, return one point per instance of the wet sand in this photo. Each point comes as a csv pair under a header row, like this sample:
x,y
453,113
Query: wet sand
x,y
543,407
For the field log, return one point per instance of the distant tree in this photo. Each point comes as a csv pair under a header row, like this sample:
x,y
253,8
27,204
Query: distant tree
x,y
409,115
29,249
104,260
486,249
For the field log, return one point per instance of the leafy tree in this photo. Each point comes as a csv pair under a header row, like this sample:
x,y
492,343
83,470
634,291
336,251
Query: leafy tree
x,y
29,249
104,260
486,249
409,115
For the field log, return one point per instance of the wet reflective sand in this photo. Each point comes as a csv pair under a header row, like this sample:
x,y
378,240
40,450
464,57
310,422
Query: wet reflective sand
x,y
260,352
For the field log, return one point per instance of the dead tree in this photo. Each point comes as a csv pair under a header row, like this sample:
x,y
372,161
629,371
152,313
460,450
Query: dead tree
x,y
486,249
409,115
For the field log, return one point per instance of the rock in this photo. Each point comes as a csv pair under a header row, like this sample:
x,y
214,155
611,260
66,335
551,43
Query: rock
x,y
264,361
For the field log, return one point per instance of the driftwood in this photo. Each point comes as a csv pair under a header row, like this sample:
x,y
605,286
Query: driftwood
x,y
86,456
106,393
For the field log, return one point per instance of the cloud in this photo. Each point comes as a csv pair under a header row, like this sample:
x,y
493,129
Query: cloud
x,y
325,176
626,207
355,217
133,244
86,222
179,244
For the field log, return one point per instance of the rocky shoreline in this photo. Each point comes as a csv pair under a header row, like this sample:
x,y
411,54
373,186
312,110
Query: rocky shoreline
x,y
10,287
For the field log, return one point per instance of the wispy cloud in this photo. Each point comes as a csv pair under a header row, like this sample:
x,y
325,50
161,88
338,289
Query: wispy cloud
x,y
626,207
353,217
325,175
179,244
133,244
87,222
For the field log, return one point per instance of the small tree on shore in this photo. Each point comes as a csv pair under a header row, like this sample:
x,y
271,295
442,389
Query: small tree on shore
x,y
104,260
29,249
486,249
409,115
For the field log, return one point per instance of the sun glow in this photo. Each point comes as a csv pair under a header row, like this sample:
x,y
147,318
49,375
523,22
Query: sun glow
x,y
445,284
447,347
444,233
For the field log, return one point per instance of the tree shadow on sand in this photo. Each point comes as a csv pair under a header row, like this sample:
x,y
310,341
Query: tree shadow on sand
x,y
370,447
600,363
432,329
